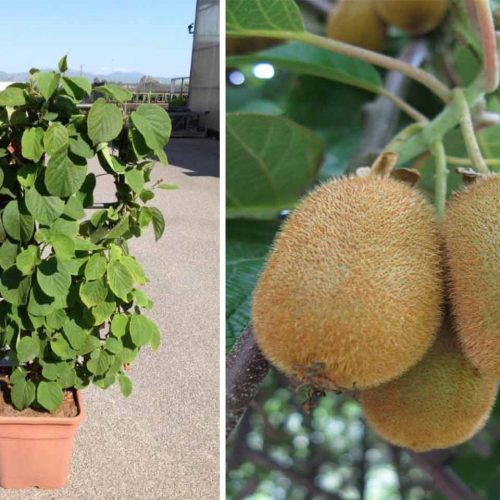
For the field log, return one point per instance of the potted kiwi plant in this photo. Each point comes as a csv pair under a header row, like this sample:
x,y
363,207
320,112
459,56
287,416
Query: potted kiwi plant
x,y
71,310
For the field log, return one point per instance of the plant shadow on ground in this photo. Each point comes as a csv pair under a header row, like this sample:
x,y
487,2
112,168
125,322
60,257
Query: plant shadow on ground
x,y
199,156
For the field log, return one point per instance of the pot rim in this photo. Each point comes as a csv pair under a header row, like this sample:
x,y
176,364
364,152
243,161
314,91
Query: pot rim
x,y
49,420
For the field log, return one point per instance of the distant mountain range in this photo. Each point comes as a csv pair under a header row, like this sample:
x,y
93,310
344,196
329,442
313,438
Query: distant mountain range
x,y
117,76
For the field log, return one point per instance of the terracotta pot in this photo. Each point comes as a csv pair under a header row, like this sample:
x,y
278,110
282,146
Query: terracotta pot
x,y
36,451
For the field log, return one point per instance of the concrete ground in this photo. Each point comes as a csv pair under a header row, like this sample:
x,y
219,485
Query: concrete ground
x,y
163,441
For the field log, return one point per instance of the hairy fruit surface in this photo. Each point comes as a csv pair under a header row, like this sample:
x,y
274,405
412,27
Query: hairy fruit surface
x,y
416,17
356,22
472,240
441,402
353,284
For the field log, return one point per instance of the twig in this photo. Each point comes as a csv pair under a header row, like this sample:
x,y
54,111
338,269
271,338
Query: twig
x,y
456,160
468,132
482,21
440,176
369,56
246,368
380,115
443,478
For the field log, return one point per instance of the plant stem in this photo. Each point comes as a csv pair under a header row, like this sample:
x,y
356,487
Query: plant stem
x,y
463,111
369,56
440,177
482,20
465,162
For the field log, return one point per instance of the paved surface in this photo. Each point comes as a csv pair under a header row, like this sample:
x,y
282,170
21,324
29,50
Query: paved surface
x,y
163,441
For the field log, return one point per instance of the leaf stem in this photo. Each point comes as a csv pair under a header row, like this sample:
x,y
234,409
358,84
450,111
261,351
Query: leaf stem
x,y
469,135
482,20
456,160
440,177
369,56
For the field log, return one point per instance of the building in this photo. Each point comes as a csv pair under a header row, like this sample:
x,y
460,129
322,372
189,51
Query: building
x,y
204,81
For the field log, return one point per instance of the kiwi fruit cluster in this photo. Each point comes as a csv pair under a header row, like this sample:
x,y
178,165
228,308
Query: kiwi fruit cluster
x,y
352,297
364,22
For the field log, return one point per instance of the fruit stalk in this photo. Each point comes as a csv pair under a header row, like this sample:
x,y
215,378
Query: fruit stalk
x,y
441,177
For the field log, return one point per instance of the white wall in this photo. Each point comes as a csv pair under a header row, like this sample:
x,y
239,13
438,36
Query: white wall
x,y
204,84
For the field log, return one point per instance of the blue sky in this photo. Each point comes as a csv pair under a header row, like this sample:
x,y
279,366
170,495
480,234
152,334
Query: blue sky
x,y
148,36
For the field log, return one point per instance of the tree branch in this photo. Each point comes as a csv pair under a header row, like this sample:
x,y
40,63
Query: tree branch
x,y
246,368
443,478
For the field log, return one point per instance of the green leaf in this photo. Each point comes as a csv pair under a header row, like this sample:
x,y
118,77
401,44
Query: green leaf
x,y
56,319
40,304
306,59
47,83
63,177
17,221
74,208
158,222
79,147
119,325
248,244
76,86
45,209
135,269
103,311
76,335
53,278
99,362
12,96
113,345
93,292
96,267
135,179
64,246
125,385
270,163
28,259
14,287
27,174
8,254
141,329
49,395
117,92
32,143
61,348
27,349
23,393
154,124
63,64
155,340
91,344
168,187
120,279
104,121
162,156
55,138
249,15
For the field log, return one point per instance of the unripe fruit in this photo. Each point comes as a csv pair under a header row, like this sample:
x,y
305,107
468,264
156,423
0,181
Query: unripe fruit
x,y
472,240
440,402
353,284
356,22
413,16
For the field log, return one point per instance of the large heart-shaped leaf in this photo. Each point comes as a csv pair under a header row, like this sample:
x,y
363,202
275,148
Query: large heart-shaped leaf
x,y
278,15
53,278
12,96
17,221
64,177
154,125
308,60
47,83
270,162
247,247
45,209
49,395
32,143
104,122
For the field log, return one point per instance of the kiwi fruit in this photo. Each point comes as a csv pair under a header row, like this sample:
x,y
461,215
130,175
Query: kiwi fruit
x,y
352,289
441,402
416,17
356,22
472,242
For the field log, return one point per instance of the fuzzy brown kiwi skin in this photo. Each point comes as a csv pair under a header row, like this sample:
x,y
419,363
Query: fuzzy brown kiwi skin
x,y
356,22
353,284
472,242
416,17
440,402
